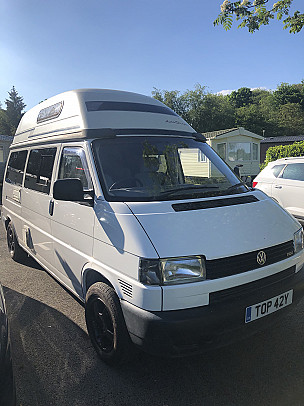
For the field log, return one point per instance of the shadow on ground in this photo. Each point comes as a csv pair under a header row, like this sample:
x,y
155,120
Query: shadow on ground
x,y
55,365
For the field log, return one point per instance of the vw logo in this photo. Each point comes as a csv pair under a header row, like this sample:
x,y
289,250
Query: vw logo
x,y
261,258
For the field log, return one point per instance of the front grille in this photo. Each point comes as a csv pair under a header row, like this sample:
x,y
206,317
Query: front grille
x,y
220,268
249,288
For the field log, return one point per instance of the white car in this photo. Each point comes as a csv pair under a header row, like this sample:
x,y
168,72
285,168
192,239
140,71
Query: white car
x,y
283,180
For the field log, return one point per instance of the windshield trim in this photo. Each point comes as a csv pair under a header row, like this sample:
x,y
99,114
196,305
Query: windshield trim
x,y
101,133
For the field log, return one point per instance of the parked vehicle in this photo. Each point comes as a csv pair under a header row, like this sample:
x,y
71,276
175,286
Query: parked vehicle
x,y
101,188
7,384
283,180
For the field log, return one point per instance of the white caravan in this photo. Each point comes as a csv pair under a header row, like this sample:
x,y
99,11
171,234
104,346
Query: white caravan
x,y
99,190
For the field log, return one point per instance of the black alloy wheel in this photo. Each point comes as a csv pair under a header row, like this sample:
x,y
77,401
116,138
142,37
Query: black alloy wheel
x,y
16,252
102,324
106,325
11,240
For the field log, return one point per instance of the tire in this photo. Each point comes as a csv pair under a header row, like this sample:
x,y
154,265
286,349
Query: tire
x,y
106,324
16,252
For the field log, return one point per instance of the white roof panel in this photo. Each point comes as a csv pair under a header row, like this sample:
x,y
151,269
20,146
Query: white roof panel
x,y
68,114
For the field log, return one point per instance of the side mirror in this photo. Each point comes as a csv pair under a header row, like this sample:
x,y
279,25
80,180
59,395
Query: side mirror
x,y
69,190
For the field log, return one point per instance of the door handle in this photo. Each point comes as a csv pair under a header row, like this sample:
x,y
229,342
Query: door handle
x,y
278,187
51,207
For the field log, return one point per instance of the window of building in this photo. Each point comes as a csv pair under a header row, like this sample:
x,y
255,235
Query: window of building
x,y
39,169
15,167
221,150
201,157
255,152
239,151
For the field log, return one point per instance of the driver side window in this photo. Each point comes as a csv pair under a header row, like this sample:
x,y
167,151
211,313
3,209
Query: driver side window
x,y
74,165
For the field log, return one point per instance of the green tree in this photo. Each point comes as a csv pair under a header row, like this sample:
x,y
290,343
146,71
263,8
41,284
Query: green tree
x,y
251,118
269,112
194,102
188,105
261,111
173,99
287,93
259,95
290,119
204,111
5,128
218,113
14,110
241,97
254,14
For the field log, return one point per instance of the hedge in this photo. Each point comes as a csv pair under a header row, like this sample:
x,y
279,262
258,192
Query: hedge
x,y
283,151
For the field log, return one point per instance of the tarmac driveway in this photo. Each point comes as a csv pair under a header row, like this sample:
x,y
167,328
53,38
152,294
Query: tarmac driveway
x,y
55,363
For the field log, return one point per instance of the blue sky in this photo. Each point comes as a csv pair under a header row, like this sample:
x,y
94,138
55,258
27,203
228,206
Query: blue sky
x,y
50,47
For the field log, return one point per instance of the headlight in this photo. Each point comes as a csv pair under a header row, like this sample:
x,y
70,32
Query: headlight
x,y
149,271
172,270
298,240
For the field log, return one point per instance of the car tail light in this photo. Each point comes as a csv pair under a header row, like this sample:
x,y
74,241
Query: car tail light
x,y
254,184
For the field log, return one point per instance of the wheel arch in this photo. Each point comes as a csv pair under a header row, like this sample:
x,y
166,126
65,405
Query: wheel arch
x,y
91,276
7,221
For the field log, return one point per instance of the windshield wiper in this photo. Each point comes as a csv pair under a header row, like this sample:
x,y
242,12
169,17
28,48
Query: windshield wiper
x,y
236,186
189,187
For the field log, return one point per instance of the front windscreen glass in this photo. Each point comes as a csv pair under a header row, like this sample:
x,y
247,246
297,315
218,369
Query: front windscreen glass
x,y
134,168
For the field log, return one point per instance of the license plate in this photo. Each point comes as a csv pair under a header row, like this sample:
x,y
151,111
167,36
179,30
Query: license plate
x,y
267,307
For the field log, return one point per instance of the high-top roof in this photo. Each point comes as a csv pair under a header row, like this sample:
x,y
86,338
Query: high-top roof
x,y
84,112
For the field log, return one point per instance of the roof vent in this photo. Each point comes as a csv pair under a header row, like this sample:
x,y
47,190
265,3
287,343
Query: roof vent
x,y
50,112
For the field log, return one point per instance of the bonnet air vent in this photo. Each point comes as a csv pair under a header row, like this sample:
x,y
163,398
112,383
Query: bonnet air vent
x,y
214,203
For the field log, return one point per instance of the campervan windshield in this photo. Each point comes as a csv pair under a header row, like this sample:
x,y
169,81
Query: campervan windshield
x,y
139,168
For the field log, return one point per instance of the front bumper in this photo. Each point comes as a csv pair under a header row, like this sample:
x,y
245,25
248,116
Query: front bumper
x,y
187,331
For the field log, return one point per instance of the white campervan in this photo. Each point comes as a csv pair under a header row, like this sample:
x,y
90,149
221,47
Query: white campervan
x,y
119,199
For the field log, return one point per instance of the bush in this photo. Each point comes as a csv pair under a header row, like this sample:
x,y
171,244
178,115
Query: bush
x,y
283,151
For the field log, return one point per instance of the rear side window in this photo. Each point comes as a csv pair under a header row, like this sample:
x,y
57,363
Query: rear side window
x,y
294,172
277,169
15,167
39,169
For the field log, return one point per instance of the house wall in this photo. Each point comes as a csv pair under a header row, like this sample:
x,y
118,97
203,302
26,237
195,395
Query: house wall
x,y
251,167
192,166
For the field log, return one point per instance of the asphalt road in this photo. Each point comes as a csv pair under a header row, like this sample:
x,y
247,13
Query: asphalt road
x,y
55,364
